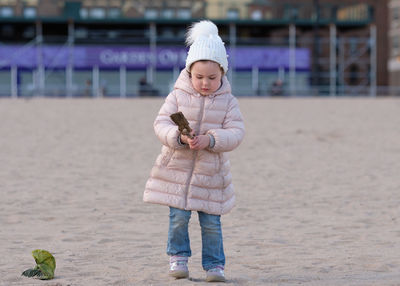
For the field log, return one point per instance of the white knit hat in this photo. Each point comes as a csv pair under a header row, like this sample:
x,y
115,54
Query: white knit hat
x,y
205,44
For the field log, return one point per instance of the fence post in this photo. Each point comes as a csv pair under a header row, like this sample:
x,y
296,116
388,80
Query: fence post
x,y
153,55
96,81
70,65
254,80
232,46
373,58
292,59
122,81
14,81
175,75
332,60
40,63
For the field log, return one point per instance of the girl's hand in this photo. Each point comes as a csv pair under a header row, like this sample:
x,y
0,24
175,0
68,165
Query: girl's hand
x,y
185,139
199,142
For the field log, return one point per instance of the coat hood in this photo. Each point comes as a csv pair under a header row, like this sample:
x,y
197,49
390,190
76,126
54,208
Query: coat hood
x,y
184,83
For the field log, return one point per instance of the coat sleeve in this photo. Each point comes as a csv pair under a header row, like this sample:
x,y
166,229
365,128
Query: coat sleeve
x,y
165,129
232,132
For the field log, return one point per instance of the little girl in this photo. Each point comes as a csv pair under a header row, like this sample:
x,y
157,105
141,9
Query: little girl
x,y
193,174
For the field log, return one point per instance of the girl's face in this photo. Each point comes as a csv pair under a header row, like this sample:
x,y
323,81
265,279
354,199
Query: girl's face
x,y
206,77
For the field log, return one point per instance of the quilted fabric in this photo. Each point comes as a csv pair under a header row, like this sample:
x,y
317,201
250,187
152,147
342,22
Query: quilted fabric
x,y
198,180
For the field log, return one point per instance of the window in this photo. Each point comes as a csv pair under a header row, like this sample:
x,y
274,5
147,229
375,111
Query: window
x,y
353,13
6,12
232,14
29,12
84,13
256,15
168,13
151,13
168,33
269,15
29,32
395,13
81,33
184,13
395,45
114,13
294,13
31,2
98,13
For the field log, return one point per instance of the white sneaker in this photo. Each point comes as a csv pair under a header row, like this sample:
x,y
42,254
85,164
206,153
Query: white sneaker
x,y
216,274
178,267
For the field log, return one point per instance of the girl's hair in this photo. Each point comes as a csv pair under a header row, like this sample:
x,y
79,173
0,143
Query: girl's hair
x,y
220,67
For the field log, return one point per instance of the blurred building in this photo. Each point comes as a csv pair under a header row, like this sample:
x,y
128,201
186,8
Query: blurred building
x,y
394,43
308,46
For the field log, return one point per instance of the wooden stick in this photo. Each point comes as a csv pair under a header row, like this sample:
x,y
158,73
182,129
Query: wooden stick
x,y
183,125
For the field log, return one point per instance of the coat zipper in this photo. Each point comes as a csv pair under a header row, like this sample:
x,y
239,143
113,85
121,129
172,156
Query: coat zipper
x,y
200,118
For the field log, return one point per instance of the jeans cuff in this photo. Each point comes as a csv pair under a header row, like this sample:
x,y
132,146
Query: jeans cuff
x,y
211,266
186,254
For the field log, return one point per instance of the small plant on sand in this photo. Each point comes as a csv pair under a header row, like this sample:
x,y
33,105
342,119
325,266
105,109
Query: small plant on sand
x,y
45,265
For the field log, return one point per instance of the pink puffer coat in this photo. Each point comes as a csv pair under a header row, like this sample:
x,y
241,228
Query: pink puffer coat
x,y
189,179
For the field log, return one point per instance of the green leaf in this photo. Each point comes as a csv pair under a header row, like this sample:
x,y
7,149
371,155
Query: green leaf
x,y
45,265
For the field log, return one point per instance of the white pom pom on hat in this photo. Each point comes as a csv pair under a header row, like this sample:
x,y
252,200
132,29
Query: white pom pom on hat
x,y
205,44
199,29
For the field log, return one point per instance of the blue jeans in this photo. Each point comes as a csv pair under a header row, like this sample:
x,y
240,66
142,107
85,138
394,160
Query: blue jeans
x,y
211,236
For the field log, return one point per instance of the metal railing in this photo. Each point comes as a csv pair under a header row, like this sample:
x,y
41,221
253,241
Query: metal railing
x,y
343,66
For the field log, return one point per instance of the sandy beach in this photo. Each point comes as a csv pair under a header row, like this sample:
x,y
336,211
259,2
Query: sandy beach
x,y
317,182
